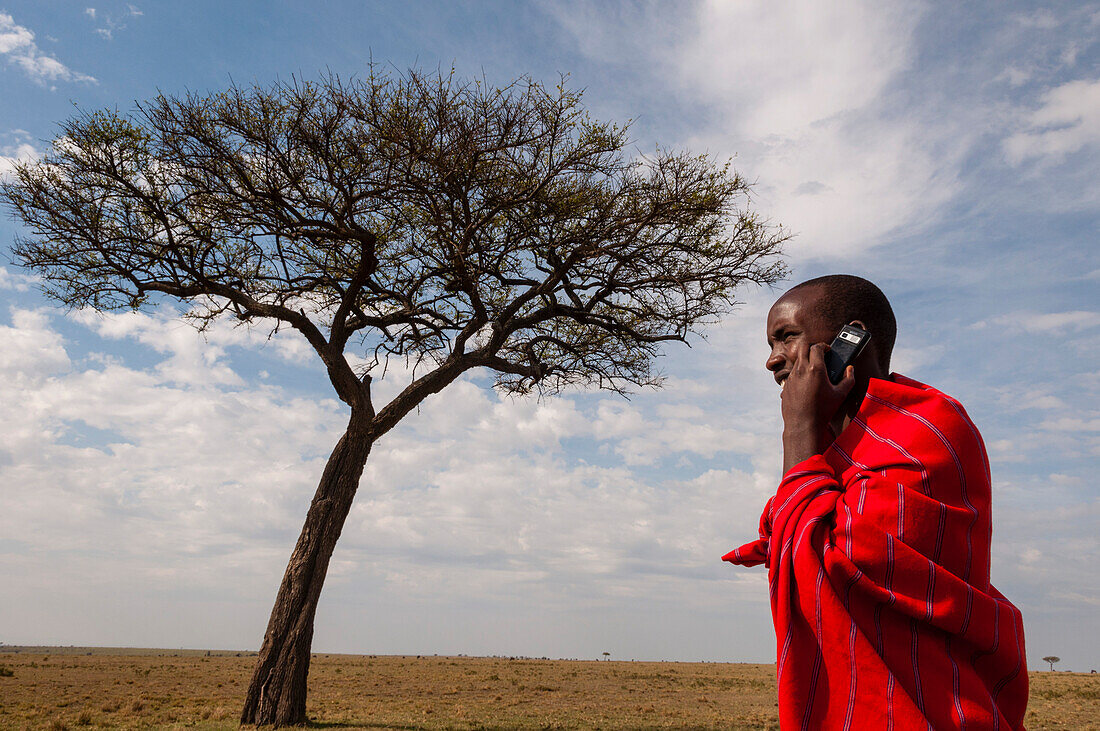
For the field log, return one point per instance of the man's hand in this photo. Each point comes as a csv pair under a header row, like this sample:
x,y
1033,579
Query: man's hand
x,y
810,401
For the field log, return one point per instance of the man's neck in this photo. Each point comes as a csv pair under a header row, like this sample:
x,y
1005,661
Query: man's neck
x,y
850,407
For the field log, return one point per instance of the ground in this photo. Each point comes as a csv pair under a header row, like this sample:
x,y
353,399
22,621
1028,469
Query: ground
x,y
65,688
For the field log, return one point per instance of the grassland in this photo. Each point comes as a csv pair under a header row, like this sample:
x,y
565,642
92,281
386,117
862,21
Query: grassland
x,y
70,688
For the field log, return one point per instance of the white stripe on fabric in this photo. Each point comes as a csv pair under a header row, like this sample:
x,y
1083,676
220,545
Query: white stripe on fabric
x,y
889,700
958,466
914,644
797,493
1019,654
807,715
955,689
851,652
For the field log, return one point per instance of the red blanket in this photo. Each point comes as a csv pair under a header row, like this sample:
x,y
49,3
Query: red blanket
x,y
878,562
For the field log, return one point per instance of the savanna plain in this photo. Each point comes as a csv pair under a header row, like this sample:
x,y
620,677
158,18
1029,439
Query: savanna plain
x,y
69,688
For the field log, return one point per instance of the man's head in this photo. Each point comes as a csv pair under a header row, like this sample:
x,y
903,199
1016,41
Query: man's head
x,y
815,310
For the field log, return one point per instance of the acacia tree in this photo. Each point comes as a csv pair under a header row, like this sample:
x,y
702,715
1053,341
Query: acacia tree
x,y
419,216
1051,659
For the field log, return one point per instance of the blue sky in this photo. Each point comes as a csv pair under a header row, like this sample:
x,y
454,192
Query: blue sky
x,y
152,482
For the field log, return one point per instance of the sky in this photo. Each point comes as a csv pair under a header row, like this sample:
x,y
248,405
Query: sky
x,y
153,480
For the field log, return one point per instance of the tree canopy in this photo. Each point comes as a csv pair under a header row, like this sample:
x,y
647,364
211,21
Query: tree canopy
x,y
448,222
419,216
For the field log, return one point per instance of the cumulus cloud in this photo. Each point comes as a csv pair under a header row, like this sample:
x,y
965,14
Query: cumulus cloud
x,y
195,356
10,155
1067,121
161,473
31,348
18,44
144,449
177,469
14,280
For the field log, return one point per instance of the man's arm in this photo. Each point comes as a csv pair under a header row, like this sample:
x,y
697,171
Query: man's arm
x,y
809,403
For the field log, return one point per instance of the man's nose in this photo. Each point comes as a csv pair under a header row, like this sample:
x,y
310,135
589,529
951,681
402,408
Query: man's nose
x,y
775,361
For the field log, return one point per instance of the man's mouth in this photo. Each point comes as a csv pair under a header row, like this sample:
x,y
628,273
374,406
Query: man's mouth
x,y
781,379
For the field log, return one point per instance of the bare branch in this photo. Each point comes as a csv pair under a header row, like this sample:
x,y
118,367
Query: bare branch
x,y
407,216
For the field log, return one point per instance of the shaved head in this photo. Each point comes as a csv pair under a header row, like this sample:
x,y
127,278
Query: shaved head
x,y
843,298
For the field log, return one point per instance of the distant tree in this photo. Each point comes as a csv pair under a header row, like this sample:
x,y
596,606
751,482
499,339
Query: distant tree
x,y
1052,659
445,222
607,655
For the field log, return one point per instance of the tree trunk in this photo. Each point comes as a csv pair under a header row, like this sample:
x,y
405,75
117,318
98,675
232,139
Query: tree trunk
x,y
277,693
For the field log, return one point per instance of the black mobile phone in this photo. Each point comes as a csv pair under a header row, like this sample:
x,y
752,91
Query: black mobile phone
x,y
846,347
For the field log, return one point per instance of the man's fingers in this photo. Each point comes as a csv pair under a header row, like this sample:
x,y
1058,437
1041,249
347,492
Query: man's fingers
x,y
817,354
848,381
802,353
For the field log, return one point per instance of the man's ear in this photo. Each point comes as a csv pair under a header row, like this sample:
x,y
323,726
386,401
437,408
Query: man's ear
x,y
870,353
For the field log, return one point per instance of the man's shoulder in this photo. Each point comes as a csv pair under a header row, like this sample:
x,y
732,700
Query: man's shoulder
x,y
907,400
923,396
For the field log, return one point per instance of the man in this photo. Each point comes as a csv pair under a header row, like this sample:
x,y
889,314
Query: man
x,y
877,539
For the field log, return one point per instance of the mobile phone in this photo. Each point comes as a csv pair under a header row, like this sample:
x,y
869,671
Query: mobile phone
x,y
846,347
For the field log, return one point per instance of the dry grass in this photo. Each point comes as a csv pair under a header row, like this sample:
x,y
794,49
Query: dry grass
x,y
72,688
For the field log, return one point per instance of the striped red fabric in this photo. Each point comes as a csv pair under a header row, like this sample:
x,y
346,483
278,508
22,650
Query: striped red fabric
x,y
878,563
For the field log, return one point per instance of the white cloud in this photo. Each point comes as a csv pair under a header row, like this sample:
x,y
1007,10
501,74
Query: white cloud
x,y
1067,121
1075,425
1048,323
704,436
1077,598
17,43
14,37
31,347
1016,76
158,456
839,58
1038,399
802,89
14,280
915,358
1042,19
1069,54
142,464
112,22
196,357
152,469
